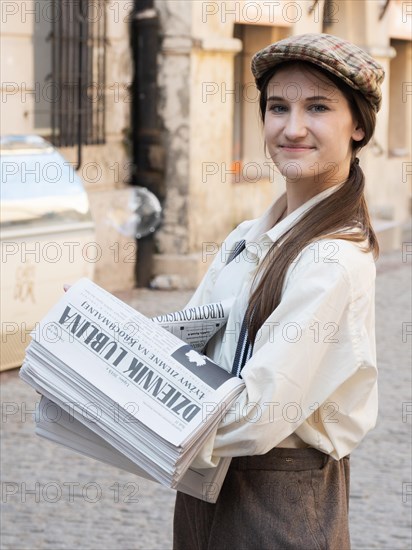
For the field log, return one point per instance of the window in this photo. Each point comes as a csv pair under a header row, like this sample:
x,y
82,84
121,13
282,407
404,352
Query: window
x,y
78,72
400,90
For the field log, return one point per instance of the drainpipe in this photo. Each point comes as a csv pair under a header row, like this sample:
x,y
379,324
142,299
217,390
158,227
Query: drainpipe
x,y
147,147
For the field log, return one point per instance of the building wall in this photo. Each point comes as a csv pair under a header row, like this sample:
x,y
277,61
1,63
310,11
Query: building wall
x,y
25,109
211,190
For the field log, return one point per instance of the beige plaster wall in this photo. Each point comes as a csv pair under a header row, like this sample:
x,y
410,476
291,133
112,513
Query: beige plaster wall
x,y
211,185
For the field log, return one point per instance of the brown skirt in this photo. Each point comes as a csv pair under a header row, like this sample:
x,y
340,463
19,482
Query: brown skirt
x,y
287,499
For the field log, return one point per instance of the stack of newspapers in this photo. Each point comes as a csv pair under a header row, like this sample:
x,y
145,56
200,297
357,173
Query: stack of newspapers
x,y
123,389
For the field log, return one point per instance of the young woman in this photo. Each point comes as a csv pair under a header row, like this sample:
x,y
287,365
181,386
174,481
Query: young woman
x,y
301,329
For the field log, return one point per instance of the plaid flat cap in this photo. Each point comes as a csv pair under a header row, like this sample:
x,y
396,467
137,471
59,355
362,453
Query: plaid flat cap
x,y
336,55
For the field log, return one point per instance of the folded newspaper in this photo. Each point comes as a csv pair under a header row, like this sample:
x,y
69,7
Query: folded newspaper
x,y
120,388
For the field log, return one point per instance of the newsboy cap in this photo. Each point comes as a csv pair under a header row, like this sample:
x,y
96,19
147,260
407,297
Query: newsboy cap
x,y
336,55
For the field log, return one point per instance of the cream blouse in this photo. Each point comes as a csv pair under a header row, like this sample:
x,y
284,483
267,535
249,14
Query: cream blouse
x,y
311,380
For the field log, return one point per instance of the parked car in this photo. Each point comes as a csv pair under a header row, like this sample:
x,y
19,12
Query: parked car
x,y
46,237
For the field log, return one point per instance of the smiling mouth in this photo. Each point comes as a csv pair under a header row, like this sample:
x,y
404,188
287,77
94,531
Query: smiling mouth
x,y
296,147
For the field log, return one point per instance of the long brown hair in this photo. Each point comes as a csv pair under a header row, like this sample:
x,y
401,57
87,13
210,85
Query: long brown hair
x,y
333,217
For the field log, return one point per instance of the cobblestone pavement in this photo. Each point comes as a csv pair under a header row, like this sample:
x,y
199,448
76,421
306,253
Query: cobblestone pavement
x,y
53,498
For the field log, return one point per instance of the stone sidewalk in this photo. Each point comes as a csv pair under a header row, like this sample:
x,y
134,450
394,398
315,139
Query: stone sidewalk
x,y
55,499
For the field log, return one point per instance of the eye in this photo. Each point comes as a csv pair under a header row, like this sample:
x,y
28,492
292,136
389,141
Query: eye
x,y
318,108
277,108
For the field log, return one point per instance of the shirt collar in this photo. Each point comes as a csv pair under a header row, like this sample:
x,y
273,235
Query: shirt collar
x,y
256,233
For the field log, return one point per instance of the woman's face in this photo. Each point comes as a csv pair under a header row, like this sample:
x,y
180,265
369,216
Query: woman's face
x,y
309,128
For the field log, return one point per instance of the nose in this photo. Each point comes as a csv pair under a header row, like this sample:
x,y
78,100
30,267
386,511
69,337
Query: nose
x,y
295,125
